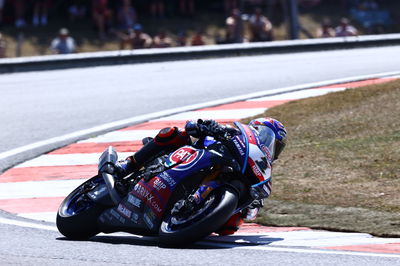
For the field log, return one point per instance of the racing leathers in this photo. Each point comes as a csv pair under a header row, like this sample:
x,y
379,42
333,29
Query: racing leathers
x,y
171,138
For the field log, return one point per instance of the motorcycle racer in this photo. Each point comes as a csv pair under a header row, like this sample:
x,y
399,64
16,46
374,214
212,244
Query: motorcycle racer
x,y
272,136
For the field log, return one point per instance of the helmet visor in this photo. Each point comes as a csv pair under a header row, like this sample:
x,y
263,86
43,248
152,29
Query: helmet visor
x,y
267,137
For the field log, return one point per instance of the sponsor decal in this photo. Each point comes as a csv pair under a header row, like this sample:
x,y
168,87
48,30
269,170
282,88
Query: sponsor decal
x,y
161,190
135,217
134,201
146,195
238,139
238,146
158,184
117,216
124,211
143,192
184,155
167,178
267,152
190,157
255,170
149,218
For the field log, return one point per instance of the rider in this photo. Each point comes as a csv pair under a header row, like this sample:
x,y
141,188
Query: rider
x,y
171,138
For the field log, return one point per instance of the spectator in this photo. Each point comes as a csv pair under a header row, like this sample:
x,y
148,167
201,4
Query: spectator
x,y
77,10
126,15
63,44
181,40
138,39
187,7
234,27
197,39
260,27
326,30
161,40
157,8
1,11
3,46
102,16
19,12
345,29
40,12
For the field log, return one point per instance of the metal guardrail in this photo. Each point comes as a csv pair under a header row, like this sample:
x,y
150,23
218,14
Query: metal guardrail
x,y
51,62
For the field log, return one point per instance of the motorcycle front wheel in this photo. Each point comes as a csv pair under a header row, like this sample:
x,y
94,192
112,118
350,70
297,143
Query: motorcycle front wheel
x,y
216,210
77,215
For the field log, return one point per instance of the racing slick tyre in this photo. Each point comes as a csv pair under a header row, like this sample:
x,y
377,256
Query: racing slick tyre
x,y
77,215
216,210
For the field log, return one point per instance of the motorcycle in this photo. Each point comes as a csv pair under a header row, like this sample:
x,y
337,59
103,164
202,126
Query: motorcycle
x,y
181,197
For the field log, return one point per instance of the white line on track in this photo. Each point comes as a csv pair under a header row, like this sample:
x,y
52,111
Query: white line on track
x,y
299,250
32,189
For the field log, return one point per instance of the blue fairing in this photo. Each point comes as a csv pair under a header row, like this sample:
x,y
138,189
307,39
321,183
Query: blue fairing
x,y
245,141
201,160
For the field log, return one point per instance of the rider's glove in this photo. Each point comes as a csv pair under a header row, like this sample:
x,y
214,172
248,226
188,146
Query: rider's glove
x,y
211,128
260,190
203,128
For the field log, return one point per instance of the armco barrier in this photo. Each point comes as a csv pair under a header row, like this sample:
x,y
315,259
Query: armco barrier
x,y
51,62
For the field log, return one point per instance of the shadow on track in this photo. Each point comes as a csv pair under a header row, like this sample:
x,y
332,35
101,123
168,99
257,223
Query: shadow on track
x,y
224,242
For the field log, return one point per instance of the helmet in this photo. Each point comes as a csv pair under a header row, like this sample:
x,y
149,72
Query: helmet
x,y
272,134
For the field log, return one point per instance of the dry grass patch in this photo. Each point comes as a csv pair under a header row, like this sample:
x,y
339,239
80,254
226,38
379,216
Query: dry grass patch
x,y
343,151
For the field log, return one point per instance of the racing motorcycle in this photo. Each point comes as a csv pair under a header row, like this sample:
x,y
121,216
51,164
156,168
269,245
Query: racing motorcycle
x,y
181,197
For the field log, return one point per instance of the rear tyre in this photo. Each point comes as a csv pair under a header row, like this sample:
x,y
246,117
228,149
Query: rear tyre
x,y
217,208
77,215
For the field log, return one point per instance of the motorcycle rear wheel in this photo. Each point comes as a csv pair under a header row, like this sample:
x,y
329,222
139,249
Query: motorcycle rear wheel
x,y
217,209
77,215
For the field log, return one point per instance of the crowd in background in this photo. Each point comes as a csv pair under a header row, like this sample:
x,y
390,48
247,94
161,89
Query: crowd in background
x,y
121,19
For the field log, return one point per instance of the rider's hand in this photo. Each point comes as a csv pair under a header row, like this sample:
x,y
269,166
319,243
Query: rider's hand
x,y
211,128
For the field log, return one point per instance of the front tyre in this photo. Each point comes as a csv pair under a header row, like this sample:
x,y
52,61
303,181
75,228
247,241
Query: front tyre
x,y
77,214
216,210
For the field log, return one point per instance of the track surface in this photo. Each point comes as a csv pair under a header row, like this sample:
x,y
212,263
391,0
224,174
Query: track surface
x,y
15,251
40,105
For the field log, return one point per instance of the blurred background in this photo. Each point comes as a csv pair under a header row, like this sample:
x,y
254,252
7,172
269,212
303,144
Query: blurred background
x,y
40,27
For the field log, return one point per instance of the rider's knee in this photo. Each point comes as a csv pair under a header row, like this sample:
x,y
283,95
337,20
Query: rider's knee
x,y
172,136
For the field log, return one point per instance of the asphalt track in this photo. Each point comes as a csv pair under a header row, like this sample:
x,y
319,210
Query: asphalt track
x,y
63,119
